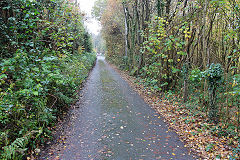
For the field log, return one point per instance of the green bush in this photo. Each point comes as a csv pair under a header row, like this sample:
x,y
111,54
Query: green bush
x,y
214,76
32,92
44,58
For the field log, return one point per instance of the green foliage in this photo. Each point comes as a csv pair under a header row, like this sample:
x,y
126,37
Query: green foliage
x,y
88,47
36,89
99,8
214,76
44,59
236,153
17,147
163,52
236,85
195,75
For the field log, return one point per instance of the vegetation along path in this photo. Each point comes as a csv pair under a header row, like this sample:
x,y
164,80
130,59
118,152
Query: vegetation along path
x,y
111,121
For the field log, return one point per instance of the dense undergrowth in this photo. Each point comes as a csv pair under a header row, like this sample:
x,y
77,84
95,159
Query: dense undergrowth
x,y
216,138
45,56
190,121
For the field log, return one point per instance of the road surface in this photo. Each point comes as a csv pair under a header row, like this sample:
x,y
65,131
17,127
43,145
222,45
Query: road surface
x,y
111,121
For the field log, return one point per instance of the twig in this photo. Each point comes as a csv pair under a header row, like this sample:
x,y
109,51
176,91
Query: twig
x,y
55,99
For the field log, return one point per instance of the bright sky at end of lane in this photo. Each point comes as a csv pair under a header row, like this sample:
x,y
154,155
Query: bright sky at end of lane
x,y
92,24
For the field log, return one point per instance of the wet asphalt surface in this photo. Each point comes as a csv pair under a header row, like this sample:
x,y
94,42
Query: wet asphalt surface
x,y
111,121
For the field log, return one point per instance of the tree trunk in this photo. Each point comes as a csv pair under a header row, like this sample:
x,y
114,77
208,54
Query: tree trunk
x,y
126,29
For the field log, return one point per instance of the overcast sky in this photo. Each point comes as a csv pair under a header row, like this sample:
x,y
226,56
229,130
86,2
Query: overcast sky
x,y
92,24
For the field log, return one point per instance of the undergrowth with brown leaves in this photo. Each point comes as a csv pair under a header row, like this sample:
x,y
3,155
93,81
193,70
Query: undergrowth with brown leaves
x,y
207,140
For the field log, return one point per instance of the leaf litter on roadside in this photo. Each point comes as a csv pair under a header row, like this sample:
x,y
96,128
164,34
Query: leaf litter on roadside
x,y
194,130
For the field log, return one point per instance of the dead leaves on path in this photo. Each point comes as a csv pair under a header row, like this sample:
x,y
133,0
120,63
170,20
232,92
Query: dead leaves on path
x,y
193,130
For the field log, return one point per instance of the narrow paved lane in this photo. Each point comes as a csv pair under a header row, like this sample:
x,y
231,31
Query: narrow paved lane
x,y
111,121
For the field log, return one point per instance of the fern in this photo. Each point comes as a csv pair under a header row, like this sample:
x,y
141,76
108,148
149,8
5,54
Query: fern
x,y
17,148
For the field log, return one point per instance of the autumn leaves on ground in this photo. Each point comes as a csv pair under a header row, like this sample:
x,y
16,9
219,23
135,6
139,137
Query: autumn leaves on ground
x,y
191,125
185,56
111,121
182,57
